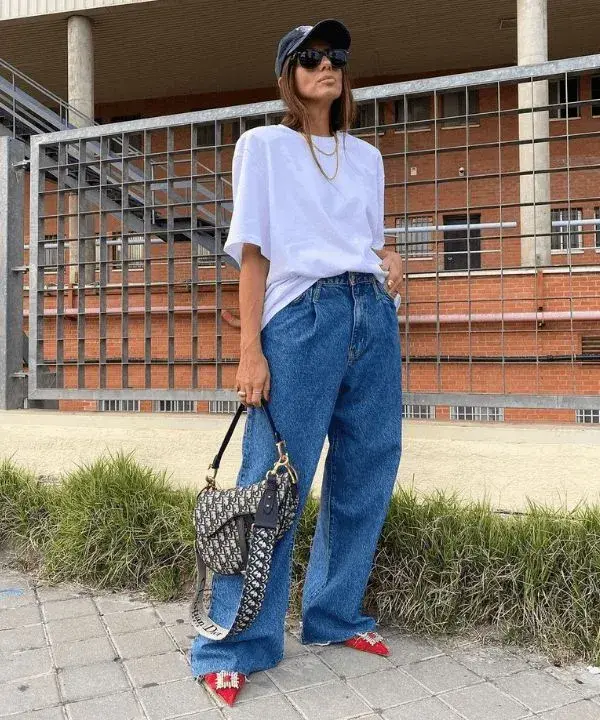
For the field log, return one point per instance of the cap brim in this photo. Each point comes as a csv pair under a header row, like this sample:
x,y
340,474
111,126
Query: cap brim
x,y
332,31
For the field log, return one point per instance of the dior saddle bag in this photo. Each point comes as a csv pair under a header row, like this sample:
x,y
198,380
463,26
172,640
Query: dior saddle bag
x,y
236,532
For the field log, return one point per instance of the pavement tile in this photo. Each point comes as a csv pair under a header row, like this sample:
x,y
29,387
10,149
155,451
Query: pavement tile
x,y
485,702
173,613
205,715
15,593
387,688
347,662
490,662
582,710
26,695
15,666
71,609
183,635
300,671
80,683
578,679
110,707
132,620
291,647
144,642
52,593
155,669
118,603
174,699
27,638
441,674
84,652
82,628
272,708
19,617
259,685
332,701
428,709
537,690
407,649
55,713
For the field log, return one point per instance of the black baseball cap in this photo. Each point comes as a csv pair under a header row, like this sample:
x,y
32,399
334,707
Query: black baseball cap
x,y
332,31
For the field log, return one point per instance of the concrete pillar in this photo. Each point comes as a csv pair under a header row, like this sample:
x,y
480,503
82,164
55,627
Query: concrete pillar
x,y
12,203
80,43
534,158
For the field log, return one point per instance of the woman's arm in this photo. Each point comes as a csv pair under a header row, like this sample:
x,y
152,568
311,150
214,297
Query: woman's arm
x,y
253,374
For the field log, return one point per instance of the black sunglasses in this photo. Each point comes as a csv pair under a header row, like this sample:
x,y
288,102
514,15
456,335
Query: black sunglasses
x,y
312,57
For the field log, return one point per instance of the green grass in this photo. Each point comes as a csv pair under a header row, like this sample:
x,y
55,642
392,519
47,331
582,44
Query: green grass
x,y
442,565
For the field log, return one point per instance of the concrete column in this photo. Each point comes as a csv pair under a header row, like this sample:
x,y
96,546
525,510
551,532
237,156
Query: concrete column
x,y
12,194
534,158
81,97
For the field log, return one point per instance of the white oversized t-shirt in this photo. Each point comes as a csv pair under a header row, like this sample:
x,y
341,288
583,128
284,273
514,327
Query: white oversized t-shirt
x,y
307,226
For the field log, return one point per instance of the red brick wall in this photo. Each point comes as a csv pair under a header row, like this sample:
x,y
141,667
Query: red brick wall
x,y
424,294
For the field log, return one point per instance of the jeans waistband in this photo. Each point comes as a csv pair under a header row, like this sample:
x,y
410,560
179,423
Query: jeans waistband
x,y
348,278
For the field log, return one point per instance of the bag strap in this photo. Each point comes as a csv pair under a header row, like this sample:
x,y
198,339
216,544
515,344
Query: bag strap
x,y
262,544
217,459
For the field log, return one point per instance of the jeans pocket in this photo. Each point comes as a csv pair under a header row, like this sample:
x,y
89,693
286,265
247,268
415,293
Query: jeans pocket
x,y
383,293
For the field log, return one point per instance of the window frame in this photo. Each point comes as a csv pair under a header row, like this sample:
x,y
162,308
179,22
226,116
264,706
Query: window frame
x,y
566,231
410,251
560,111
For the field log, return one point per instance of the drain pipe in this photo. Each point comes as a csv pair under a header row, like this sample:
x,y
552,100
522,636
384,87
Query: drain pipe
x,y
541,316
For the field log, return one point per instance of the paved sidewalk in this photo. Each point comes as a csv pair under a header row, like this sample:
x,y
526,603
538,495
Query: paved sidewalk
x,y
68,654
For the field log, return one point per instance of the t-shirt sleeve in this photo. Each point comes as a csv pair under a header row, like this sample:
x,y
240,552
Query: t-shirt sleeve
x,y
250,218
379,237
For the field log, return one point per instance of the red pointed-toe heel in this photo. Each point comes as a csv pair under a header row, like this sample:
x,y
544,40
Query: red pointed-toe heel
x,y
370,642
226,685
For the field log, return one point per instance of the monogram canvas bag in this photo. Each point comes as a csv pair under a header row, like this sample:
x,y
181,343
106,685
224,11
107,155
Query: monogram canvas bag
x,y
236,532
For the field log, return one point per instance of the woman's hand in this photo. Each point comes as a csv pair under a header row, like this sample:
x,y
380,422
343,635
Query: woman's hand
x,y
253,377
392,268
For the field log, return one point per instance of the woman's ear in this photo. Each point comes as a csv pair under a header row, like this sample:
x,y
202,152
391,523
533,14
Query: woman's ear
x,y
279,81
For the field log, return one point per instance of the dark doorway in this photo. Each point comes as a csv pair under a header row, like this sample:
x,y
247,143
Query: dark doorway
x,y
462,248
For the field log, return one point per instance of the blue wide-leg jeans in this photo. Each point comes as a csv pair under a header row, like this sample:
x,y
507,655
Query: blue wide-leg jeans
x,y
334,359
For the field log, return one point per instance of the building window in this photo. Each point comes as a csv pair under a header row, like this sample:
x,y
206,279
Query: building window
x,y
588,417
275,118
252,122
597,233
418,412
118,405
365,117
205,256
417,242
557,95
479,414
174,406
595,83
569,236
454,108
50,254
135,139
414,110
135,253
223,406
205,135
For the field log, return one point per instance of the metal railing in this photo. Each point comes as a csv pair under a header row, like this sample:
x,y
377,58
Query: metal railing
x,y
491,199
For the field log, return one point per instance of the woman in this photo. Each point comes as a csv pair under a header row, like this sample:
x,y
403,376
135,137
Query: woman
x,y
320,342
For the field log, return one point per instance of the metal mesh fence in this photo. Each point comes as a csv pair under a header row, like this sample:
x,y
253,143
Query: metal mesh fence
x,y
491,199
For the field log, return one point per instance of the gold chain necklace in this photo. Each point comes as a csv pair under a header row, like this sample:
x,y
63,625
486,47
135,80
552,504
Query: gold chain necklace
x,y
328,154
337,160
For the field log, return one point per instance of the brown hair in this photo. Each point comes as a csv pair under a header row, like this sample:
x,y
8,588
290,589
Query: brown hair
x,y
341,115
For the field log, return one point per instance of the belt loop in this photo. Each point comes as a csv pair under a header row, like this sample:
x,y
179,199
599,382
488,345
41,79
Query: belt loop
x,y
316,290
352,278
